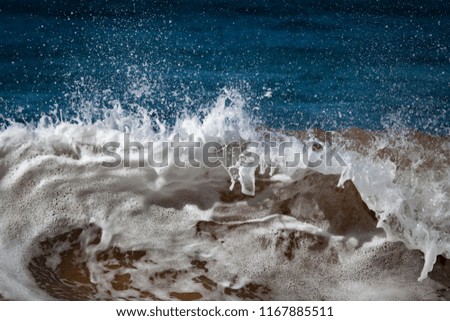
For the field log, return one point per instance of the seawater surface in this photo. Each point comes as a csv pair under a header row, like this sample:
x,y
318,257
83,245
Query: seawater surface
x,y
77,76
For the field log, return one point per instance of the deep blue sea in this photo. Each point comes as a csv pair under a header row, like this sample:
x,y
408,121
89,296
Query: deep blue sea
x,y
298,64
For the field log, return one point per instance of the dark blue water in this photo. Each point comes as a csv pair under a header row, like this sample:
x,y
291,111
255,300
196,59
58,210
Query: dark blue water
x,y
338,64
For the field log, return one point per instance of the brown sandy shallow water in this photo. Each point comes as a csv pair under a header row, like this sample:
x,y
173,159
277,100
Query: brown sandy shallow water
x,y
344,211
74,231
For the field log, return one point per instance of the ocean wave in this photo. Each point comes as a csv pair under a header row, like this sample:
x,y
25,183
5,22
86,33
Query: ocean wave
x,y
72,228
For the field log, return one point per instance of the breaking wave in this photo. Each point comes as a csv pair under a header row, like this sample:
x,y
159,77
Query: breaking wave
x,y
368,228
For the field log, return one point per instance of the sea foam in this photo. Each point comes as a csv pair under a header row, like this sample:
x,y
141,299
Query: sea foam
x,y
72,228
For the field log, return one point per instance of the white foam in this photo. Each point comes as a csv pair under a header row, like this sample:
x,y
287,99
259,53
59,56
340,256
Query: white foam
x,y
51,180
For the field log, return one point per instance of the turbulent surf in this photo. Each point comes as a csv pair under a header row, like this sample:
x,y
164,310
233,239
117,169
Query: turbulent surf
x,y
369,228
